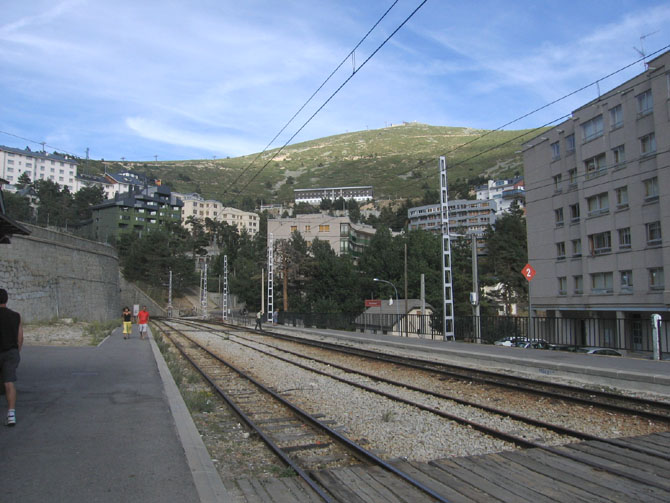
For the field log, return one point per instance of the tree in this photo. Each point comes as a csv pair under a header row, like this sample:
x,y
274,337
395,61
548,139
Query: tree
x,y
85,198
18,207
23,181
506,255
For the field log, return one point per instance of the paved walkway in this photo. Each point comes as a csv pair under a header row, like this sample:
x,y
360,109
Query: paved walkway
x,y
97,424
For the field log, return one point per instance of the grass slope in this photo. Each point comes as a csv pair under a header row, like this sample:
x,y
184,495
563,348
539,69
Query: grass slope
x,y
399,161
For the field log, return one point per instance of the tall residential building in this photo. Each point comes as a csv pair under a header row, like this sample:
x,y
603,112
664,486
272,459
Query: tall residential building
x,y
197,206
343,236
58,168
598,210
315,196
138,210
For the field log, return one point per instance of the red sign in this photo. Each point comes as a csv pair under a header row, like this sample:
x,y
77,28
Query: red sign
x,y
373,303
528,272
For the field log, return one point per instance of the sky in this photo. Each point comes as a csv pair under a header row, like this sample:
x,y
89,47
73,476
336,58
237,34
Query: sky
x,y
170,80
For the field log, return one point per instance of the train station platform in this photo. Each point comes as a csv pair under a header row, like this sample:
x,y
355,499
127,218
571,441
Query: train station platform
x,y
102,424
630,373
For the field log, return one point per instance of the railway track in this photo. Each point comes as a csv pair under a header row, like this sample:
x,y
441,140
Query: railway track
x,y
519,441
650,409
301,440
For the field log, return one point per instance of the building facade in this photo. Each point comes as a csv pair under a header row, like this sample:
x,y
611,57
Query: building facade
x,y
139,211
598,211
315,196
58,168
343,236
472,215
503,192
198,207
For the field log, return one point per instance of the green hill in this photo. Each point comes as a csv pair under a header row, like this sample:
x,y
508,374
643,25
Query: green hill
x,y
398,161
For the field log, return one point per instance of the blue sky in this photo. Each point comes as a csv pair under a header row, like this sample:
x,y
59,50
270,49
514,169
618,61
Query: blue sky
x,y
205,78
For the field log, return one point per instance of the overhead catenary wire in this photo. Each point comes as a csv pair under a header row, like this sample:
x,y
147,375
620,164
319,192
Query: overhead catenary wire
x,y
334,93
351,54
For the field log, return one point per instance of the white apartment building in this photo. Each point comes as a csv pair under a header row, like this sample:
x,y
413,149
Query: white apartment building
x,y
472,215
38,165
598,212
503,192
197,206
315,196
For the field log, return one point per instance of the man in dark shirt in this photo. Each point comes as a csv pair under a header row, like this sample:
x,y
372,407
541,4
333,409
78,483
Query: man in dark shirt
x,y
11,341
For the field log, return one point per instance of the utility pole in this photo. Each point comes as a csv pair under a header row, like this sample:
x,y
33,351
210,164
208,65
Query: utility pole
x,y
474,297
225,288
156,158
406,313
169,308
271,278
448,307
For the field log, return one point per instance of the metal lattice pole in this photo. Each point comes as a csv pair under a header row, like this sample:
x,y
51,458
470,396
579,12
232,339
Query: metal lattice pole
x,y
169,306
270,277
225,288
448,325
203,291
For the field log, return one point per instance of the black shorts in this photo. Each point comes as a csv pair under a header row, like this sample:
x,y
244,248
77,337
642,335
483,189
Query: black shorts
x,y
9,361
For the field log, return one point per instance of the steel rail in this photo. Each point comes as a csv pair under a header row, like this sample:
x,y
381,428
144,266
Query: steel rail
x,y
359,450
494,379
531,444
250,423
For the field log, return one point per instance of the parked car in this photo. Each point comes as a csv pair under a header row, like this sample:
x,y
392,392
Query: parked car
x,y
511,341
534,343
599,351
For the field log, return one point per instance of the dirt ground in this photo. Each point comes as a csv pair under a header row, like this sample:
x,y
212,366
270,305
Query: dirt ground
x,y
63,332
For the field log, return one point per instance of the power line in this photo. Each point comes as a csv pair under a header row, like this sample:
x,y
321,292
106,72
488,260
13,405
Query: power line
x,y
351,54
355,71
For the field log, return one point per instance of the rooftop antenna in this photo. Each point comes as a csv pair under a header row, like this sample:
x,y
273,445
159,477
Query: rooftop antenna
x,y
87,153
43,143
641,50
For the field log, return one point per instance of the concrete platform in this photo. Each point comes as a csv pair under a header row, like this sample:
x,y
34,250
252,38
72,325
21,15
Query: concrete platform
x,y
99,424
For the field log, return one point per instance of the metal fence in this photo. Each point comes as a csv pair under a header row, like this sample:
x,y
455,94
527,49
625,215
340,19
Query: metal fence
x,y
629,334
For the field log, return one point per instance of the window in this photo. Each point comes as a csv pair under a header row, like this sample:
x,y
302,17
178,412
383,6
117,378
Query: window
x,y
656,278
579,284
324,228
626,281
600,243
624,238
562,285
10,161
574,213
569,144
601,282
294,228
653,233
595,166
592,129
616,117
645,103
598,204
555,151
621,197
558,215
308,228
648,144
557,182
572,176
651,189
576,247
619,156
560,251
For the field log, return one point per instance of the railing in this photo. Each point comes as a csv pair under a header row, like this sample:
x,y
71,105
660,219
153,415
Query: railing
x,y
627,334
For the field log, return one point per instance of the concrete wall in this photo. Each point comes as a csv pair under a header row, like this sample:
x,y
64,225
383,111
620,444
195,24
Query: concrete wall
x,y
54,275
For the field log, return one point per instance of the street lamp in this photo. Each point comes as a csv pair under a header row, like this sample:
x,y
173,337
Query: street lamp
x,y
397,314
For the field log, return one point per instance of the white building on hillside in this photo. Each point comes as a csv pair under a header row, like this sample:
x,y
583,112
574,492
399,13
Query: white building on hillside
x,y
197,206
58,168
503,192
315,196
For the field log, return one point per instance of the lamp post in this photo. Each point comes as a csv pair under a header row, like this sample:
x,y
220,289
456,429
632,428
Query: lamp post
x,y
397,314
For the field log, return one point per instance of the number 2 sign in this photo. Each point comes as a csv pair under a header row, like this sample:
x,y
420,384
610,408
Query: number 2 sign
x,y
528,272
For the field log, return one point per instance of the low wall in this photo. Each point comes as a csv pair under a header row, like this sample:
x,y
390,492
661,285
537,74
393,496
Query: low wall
x,y
131,295
50,275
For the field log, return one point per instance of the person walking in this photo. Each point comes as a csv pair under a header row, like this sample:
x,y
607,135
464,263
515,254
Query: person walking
x,y
275,316
127,318
142,322
259,320
11,342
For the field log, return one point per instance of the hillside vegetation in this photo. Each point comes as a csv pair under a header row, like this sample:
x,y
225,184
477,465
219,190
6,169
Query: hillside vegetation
x,y
398,161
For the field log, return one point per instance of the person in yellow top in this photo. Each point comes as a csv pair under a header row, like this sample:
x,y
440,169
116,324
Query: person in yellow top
x,y
127,318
